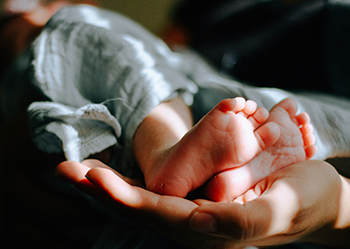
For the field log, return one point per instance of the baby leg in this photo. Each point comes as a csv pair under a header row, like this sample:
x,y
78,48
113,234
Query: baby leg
x,y
230,135
295,144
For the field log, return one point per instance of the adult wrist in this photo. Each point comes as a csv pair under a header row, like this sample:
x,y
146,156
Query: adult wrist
x,y
335,232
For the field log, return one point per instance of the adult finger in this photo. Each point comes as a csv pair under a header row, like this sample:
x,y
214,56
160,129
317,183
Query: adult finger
x,y
262,217
287,205
91,163
166,214
74,173
124,195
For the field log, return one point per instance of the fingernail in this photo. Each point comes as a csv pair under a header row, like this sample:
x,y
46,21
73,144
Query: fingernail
x,y
203,222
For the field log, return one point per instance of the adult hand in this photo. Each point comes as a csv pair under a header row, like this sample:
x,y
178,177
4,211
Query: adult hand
x,y
165,214
305,202
299,202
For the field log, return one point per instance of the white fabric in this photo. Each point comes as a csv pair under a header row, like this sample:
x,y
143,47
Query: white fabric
x,y
99,66
95,65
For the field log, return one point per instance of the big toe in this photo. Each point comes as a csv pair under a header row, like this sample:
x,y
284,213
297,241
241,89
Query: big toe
x,y
289,105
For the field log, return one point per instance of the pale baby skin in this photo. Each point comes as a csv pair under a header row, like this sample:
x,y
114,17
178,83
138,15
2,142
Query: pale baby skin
x,y
232,148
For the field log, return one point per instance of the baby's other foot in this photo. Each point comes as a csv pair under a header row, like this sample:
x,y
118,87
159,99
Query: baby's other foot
x,y
230,135
295,144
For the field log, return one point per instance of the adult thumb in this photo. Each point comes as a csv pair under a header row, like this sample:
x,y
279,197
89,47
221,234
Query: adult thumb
x,y
232,220
267,215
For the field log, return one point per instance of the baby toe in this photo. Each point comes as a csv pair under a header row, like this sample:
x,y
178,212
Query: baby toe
x,y
226,105
302,119
259,117
239,104
307,129
310,151
309,139
250,107
289,105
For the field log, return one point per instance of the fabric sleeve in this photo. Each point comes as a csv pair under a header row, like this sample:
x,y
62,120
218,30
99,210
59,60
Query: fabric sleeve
x,y
96,65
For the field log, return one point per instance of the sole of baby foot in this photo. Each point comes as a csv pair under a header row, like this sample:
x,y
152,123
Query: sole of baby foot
x,y
295,144
231,134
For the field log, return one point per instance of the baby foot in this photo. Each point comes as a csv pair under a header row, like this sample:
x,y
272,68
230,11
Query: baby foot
x,y
295,144
230,135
